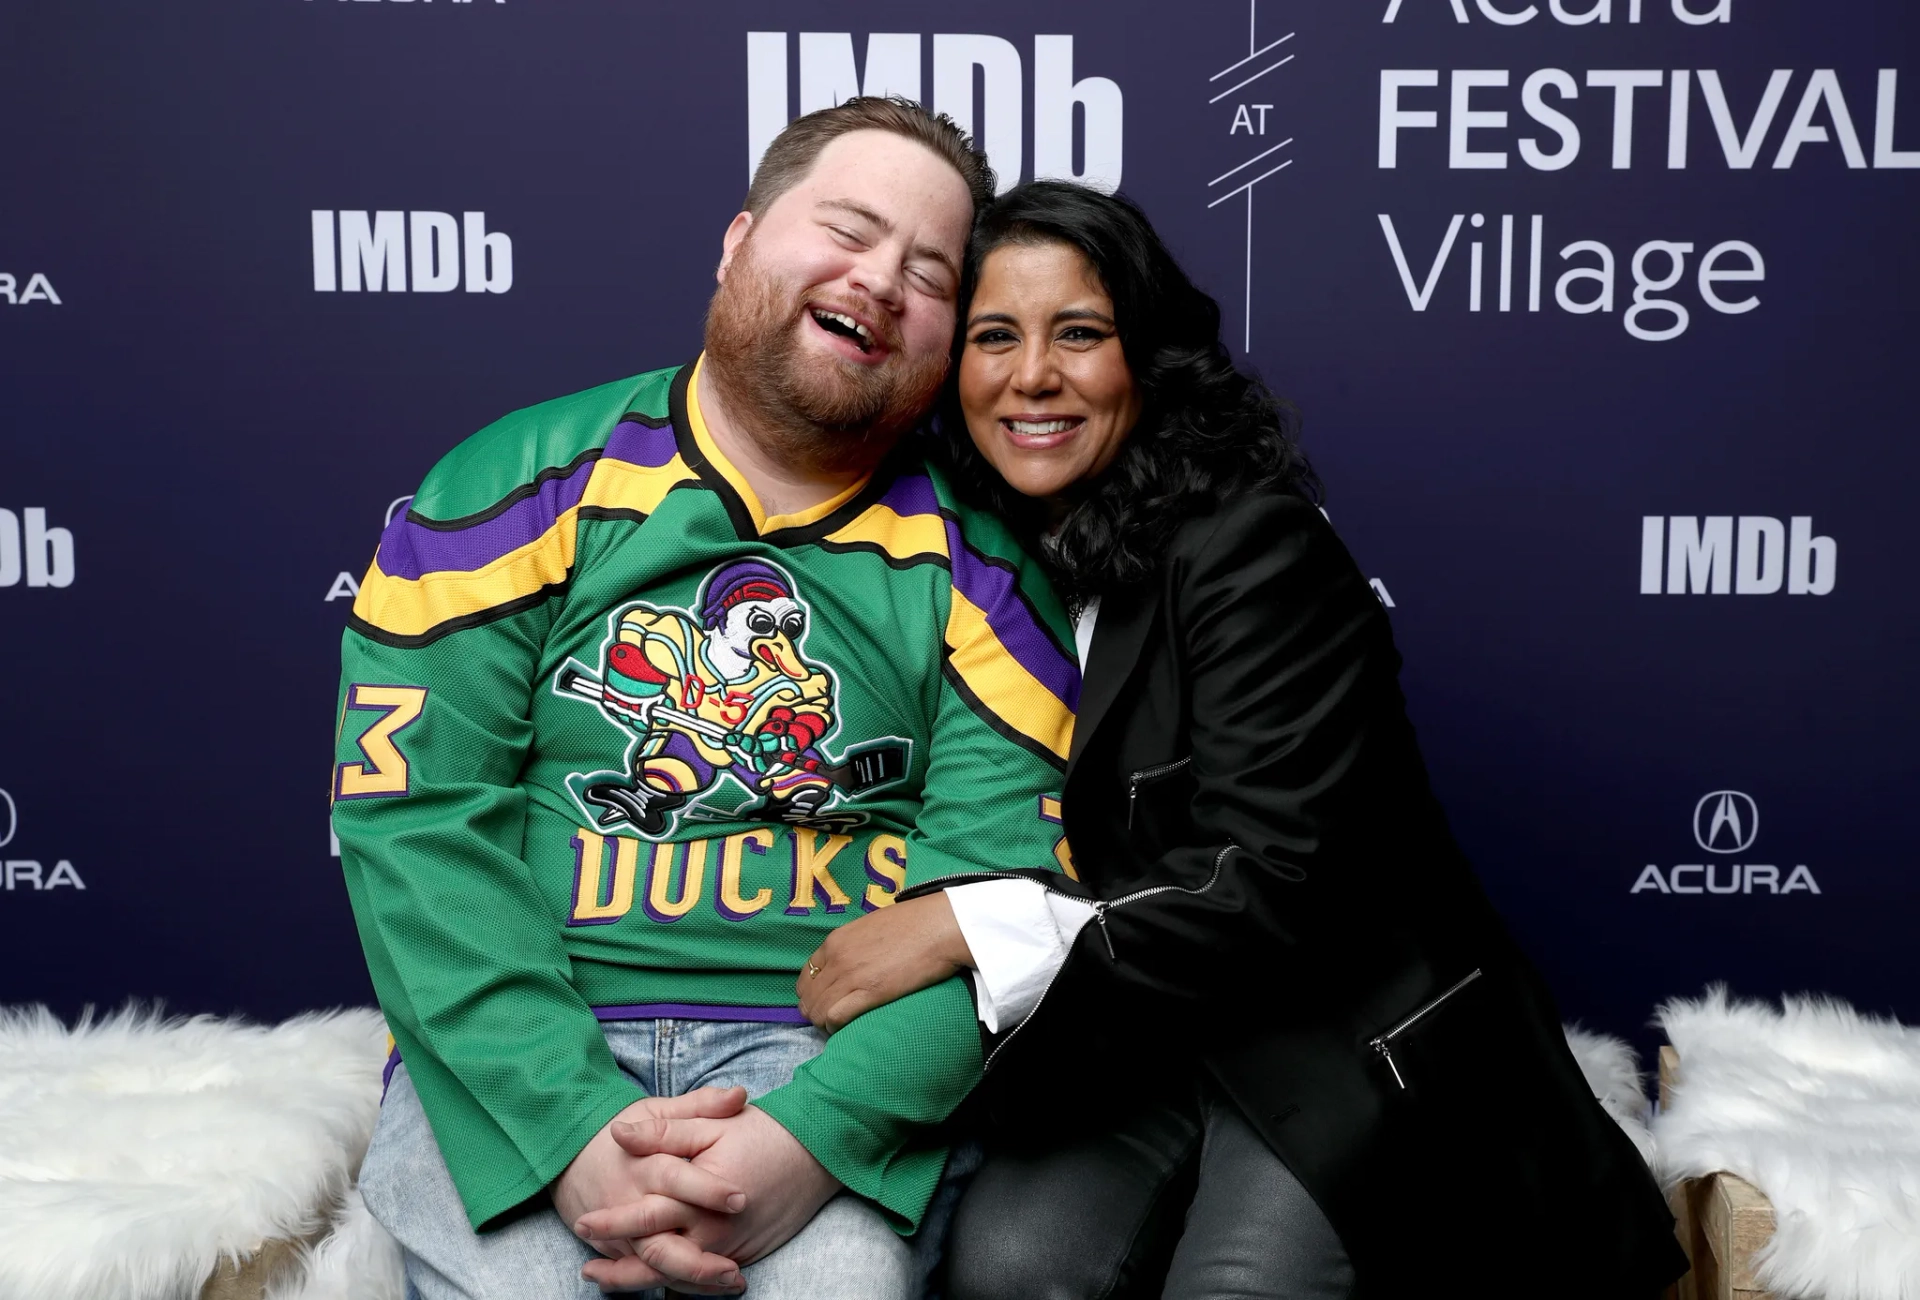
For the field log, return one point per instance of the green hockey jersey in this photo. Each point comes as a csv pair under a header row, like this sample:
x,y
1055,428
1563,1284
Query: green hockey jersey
x,y
613,743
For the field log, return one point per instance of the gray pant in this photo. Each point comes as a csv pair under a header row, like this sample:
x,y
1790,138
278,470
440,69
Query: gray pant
x,y
848,1251
1181,1199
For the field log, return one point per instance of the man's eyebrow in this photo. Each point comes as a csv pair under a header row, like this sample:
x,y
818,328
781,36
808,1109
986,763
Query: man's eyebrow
x,y
885,227
862,211
933,254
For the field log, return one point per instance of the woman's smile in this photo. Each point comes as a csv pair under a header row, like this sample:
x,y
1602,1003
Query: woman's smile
x,y
1041,432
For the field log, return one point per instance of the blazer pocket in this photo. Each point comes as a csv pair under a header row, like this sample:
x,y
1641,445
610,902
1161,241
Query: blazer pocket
x,y
1158,790
1421,1052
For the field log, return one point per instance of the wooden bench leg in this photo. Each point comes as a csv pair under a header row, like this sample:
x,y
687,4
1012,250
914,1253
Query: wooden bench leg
x,y
249,1279
269,1263
1721,1221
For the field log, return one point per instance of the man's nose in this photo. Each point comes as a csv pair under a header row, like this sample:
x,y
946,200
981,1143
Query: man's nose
x,y
881,278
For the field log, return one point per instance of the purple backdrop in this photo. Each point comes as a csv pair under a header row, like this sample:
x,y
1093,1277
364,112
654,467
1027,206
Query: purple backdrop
x,y
1594,308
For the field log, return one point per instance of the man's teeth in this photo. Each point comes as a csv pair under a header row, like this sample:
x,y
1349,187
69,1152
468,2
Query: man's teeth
x,y
1034,428
847,322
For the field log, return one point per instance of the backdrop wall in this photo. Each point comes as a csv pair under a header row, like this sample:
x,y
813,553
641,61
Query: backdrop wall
x,y
1601,314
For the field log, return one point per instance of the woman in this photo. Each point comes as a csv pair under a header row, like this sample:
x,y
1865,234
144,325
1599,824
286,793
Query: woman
x,y
1285,1048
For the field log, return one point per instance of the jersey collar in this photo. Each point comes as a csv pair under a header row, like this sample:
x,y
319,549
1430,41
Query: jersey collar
x,y
749,516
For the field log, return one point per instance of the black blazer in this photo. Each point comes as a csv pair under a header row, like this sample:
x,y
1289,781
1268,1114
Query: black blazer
x,y
1280,893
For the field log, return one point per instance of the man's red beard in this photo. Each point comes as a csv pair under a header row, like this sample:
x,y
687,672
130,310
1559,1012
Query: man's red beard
x,y
802,405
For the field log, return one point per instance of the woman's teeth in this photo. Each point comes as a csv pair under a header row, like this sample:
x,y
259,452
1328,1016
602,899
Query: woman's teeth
x,y
1038,428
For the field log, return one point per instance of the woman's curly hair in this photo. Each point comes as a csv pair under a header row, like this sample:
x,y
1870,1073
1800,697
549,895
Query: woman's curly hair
x,y
1206,433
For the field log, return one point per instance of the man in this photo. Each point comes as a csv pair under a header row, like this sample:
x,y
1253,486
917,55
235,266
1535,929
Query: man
x,y
652,687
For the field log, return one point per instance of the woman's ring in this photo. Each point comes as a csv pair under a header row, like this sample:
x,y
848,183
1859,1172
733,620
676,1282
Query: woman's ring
x,y
811,968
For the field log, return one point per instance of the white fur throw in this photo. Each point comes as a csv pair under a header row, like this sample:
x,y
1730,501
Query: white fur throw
x,y
135,1152
1817,1106
357,1260
1612,1070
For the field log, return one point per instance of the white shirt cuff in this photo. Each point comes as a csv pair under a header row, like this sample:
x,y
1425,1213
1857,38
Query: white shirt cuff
x,y
1019,932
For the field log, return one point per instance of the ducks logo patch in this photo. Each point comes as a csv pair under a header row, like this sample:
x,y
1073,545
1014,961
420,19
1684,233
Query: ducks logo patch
x,y
724,690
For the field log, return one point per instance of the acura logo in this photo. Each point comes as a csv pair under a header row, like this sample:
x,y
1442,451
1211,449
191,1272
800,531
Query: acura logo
x,y
1726,821
393,508
10,818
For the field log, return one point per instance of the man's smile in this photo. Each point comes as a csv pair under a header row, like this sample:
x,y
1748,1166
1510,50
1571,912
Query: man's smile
x,y
852,334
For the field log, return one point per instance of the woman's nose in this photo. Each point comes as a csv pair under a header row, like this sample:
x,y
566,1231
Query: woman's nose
x,y
1035,374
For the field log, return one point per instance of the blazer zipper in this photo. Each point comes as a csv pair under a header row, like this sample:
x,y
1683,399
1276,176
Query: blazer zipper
x,y
1101,909
1013,1033
1148,775
1100,914
1383,1042
974,877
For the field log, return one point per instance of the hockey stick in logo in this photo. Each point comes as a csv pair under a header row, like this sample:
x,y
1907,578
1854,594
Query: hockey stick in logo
x,y
575,682
868,765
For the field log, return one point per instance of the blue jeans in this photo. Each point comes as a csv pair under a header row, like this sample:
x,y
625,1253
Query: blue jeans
x,y
847,1252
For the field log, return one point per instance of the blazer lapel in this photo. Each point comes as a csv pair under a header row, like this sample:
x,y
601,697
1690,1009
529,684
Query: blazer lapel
x,y
1119,633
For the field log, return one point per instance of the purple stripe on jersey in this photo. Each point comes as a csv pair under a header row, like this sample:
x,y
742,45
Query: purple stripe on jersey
x,y
911,494
386,1074
410,550
699,1011
636,444
994,590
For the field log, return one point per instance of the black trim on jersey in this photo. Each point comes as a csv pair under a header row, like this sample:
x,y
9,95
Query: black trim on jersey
x,y
889,468
613,514
508,501
988,716
902,563
480,618
737,512
641,417
621,514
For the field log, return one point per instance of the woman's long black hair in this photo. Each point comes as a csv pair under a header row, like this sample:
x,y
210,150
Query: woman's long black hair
x,y
1206,433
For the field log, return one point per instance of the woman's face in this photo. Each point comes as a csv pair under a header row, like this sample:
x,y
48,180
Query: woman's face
x,y
1044,382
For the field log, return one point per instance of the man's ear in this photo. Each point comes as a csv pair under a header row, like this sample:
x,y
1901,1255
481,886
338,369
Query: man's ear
x,y
730,243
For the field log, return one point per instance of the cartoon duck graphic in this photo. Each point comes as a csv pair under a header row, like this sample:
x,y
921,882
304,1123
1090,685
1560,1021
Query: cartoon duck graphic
x,y
728,692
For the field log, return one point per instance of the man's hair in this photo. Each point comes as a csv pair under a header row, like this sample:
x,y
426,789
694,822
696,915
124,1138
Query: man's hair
x,y
793,152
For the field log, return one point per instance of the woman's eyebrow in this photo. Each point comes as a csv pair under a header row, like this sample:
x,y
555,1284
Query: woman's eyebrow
x,y
1083,313
1064,314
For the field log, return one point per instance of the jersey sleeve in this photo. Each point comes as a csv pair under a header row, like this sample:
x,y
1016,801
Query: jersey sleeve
x,y
1002,728
438,666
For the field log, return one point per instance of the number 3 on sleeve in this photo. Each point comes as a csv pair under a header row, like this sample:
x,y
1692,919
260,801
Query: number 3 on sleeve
x,y
384,769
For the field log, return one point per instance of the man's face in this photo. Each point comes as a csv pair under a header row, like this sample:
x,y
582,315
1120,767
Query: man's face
x,y
836,307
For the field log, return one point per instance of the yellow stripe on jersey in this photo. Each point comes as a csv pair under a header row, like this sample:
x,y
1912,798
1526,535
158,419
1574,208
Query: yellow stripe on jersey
x,y
415,606
1002,683
623,485
412,607
902,537
812,514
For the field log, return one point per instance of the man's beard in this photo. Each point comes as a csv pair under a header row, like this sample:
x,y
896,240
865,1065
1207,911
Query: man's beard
x,y
814,411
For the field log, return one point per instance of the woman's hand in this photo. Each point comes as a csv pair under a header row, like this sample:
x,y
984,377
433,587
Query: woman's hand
x,y
884,955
